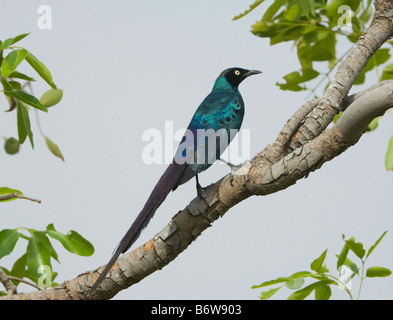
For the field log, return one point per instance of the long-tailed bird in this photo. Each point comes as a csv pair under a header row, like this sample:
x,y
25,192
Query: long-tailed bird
x,y
222,111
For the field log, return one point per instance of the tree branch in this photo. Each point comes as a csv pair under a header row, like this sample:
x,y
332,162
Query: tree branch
x,y
17,195
5,280
378,33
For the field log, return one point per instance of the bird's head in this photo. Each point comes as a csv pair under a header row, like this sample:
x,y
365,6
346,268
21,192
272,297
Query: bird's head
x,y
236,75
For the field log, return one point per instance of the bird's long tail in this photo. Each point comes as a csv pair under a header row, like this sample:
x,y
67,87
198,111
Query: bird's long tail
x,y
166,183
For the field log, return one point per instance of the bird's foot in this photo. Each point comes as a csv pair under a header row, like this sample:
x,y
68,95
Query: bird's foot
x,y
237,170
200,191
199,188
233,167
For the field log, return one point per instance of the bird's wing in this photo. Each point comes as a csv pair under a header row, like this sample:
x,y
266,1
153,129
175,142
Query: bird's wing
x,y
213,111
200,151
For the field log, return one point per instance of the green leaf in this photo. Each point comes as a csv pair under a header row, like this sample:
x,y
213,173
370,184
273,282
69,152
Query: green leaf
x,y
319,46
373,124
265,30
39,252
342,256
378,272
375,244
301,294
320,277
267,294
355,247
6,43
286,34
270,282
73,241
51,97
26,98
6,85
387,72
11,41
332,7
291,13
379,57
11,61
252,7
42,274
367,12
20,37
389,156
40,68
4,191
295,284
8,239
19,268
322,291
23,121
317,264
54,148
337,116
272,10
277,32
307,8
293,79
300,274
351,265
292,279
19,75
11,85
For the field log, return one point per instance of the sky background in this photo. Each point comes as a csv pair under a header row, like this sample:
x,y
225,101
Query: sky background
x,y
129,66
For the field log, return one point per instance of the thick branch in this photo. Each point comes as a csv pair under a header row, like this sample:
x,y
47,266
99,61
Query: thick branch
x,y
369,106
5,280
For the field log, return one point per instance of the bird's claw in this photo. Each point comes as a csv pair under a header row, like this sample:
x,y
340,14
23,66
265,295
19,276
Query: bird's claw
x,y
199,188
237,170
200,191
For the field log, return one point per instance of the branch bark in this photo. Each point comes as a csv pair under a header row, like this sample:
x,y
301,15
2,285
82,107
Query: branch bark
x,y
303,145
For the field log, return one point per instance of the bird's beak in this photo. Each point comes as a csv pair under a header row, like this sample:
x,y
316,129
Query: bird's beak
x,y
251,72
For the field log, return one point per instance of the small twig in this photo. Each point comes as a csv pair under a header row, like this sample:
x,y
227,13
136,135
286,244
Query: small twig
x,y
17,195
24,281
8,285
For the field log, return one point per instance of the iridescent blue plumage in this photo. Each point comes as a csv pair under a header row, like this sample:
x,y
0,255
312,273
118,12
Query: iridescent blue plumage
x,y
221,111
217,118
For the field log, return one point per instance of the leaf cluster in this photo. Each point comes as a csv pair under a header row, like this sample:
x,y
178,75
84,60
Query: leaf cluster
x,y
40,251
346,269
316,28
17,96
35,263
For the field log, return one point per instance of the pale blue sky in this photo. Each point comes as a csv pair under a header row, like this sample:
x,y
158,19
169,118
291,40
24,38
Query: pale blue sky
x,y
128,66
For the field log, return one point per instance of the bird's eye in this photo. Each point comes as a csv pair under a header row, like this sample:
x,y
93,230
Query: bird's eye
x,y
237,72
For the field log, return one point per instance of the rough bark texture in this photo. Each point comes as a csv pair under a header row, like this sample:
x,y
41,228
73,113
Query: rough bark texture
x,y
302,146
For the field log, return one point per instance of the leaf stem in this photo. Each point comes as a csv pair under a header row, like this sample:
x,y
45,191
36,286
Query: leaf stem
x,y
19,196
361,280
